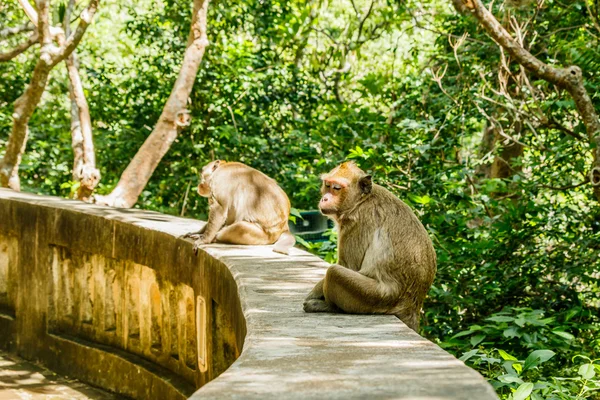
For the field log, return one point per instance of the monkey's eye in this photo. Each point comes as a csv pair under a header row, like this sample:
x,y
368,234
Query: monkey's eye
x,y
336,187
327,184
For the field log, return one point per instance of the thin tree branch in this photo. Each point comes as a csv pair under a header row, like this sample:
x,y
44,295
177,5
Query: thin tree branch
x,y
593,16
85,19
9,55
8,32
567,187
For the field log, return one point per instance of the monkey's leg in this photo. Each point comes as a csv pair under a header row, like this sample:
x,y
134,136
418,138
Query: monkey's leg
x,y
242,233
356,293
315,301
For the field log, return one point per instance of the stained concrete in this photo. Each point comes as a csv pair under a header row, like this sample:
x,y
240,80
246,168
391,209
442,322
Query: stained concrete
x,y
286,352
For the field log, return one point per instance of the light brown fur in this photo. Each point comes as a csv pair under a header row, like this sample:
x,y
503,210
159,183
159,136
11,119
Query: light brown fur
x,y
246,207
386,259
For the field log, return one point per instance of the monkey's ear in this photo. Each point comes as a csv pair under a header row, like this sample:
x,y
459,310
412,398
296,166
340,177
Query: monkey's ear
x,y
366,184
216,165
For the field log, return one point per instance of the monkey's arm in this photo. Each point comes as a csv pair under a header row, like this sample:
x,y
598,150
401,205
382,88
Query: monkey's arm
x,y
216,219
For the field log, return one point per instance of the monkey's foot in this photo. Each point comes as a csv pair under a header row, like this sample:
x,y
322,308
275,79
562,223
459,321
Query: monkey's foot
x,y
317,305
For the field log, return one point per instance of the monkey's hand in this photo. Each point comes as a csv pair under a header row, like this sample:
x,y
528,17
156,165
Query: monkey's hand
x,y
202,239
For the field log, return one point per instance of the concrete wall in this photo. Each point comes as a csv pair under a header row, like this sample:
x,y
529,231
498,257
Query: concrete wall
x,y
116,299
95,293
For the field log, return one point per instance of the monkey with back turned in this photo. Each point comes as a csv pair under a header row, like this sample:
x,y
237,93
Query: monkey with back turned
x,y
246,207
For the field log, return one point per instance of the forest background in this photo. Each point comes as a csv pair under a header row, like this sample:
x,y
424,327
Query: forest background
x,y
499,160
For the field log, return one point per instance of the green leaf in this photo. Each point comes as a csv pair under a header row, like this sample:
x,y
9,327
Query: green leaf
x,y
463,333
535,396
523,391
564,335
421,199
587,371
500,318
506,356
294,213
518,368
475,340
303,242
537,357
511,332
468,355
510,379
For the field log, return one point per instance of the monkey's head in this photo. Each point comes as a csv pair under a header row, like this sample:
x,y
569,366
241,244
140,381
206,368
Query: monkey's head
x,y
206,176
342,188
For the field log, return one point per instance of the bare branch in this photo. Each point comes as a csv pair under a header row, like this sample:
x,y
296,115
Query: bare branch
x,y
567,187
8,32
437,77
33,17
9,55
29,10
85,19
364,19
569,78
593,16
43,19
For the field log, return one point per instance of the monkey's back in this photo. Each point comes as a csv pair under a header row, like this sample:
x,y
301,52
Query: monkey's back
x,y
255,197
390,244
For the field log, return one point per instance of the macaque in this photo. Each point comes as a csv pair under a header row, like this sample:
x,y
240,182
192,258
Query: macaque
x,y
246,207
386,259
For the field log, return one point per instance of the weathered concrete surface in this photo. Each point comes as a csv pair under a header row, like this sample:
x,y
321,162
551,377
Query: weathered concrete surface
x,y
113,298
21,380
286,353
293,355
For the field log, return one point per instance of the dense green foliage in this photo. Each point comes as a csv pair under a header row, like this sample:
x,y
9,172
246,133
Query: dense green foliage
x,y
292,88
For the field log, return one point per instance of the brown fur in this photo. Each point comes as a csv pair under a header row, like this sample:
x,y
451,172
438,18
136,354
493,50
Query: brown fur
x,y
246,207
386,259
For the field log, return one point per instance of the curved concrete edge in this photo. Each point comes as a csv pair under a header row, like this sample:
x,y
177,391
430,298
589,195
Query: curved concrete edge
x,y
292,354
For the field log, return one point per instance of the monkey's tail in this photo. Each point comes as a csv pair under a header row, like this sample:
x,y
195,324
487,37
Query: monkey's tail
x,y
285,242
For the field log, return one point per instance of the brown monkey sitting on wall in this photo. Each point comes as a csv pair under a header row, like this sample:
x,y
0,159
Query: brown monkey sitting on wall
x,y
246,207
386,259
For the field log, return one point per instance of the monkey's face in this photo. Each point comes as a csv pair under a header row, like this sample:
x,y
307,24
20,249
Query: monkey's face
x,y
334,194
342,188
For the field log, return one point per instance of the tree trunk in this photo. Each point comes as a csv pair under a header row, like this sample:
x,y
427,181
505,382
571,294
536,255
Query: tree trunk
x,y
24,107
84,158
502,166
26,104
173,118
569,78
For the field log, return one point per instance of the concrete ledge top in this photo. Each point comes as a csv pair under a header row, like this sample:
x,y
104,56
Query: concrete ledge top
x,y
290,354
